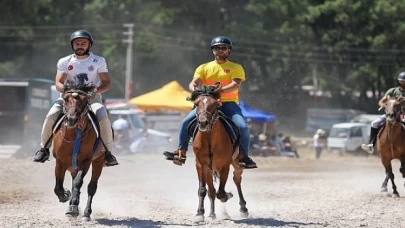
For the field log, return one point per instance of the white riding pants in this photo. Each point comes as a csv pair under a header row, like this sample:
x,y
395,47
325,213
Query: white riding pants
x,y
97,107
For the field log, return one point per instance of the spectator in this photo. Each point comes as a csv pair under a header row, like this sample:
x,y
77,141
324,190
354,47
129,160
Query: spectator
x,y
275,143
289,147
319,142
121,129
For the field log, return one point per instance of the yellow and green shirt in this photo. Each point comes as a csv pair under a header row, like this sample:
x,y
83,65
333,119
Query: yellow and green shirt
x,y
212,72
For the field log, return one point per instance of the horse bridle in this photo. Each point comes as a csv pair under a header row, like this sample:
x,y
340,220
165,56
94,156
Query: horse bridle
x,y
214,116
395,115
86,109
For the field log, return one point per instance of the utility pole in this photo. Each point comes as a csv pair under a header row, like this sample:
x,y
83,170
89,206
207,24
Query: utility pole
x,y
128,71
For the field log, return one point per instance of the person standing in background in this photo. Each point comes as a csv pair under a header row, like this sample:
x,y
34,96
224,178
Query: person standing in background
x,y
319,142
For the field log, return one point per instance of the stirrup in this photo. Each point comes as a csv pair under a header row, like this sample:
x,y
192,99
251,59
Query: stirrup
x,y
113,161
45,155
369,148
174,156
179,160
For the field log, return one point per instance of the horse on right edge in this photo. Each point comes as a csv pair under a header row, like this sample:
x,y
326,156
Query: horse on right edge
x,y
391,141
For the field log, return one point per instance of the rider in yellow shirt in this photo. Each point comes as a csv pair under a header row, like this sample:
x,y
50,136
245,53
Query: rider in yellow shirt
x,y
231,75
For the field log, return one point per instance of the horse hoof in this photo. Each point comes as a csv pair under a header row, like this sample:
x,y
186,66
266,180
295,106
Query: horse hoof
x,y
72,211
383,189
86,219
244,214
225,216
212,217
199,218
229,195
395,195
385,194
66,196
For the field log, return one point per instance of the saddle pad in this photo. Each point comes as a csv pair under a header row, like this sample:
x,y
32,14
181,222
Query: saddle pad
x,y
94,122
230,126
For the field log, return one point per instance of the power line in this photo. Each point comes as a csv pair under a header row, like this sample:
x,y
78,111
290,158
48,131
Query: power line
x,y
276,53
45,27
262,42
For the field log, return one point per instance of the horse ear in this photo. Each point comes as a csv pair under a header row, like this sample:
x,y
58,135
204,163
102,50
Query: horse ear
x,y
219,86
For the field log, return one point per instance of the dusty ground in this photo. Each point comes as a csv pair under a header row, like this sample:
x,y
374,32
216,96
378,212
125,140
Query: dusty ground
x,y
147,191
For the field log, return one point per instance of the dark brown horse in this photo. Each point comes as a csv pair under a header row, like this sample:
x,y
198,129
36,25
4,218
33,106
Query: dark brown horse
x,y
391,140
214,151
75,149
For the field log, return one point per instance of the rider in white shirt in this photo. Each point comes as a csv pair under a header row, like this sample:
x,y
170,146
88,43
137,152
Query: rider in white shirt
x,y
82,67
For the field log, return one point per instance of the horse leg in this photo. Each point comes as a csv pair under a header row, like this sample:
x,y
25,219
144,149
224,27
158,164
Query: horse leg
x,y
394,187
237,178
211,194
402,168
221,194
97,168
62,193
202,191
390,175
77,182
385,183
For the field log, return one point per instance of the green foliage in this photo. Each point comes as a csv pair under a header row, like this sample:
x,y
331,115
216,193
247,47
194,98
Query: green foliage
x,y
344,47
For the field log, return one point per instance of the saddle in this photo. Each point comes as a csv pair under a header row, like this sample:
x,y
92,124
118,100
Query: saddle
x,y
230,126
383,127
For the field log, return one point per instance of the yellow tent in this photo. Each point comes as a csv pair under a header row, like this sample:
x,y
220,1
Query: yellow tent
x,y
171,96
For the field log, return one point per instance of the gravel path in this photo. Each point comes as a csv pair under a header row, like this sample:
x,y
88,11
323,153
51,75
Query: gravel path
x,y
147,191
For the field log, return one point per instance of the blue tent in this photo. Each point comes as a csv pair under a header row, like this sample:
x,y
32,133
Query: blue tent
x,y
257,116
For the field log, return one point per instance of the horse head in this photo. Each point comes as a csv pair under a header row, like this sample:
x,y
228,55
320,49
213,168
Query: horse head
x,y
393,109
206,100
76,99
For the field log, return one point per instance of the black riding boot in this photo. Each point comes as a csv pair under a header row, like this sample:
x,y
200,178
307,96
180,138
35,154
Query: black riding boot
x,y
247,163
41,155
110,159
373,135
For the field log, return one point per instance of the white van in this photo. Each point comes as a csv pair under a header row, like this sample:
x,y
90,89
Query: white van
x,y
348,137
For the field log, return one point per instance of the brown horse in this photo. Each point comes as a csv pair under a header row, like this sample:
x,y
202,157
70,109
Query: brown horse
x,y
75,149
390,141
214,151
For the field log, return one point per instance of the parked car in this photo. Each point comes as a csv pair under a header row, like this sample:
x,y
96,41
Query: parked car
x,y
348,137
141,138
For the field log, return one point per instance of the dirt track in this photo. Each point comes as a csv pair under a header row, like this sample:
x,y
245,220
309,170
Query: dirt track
x,y
147,191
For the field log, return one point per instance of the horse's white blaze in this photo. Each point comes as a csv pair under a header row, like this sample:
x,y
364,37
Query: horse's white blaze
x,y
205,101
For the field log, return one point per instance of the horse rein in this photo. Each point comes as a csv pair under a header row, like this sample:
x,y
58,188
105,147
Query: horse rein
x,y
396,116
214,118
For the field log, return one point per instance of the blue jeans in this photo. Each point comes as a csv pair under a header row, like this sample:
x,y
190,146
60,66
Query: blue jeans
x,y
230,109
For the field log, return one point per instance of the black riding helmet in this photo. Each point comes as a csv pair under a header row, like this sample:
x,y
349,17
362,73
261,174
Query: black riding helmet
x,y
221,40
81,34
401,76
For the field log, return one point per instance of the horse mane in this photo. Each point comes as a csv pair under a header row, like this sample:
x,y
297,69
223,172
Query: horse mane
x,y
70,85
210,90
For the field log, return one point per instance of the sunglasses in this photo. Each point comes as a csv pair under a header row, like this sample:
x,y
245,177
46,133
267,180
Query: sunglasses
x,y
218,48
